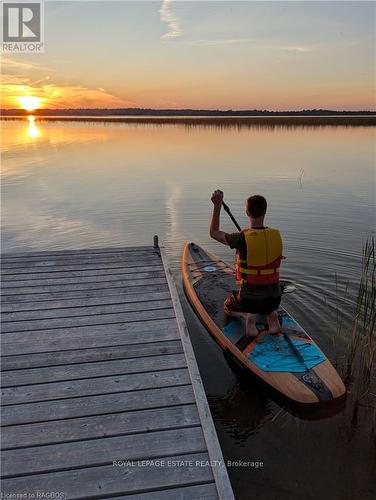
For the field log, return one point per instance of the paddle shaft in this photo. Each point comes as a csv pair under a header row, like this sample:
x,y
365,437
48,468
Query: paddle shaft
x,y
226,208
294,349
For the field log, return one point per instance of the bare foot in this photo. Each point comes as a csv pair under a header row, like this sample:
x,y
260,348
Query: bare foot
x,y
273,322
250,327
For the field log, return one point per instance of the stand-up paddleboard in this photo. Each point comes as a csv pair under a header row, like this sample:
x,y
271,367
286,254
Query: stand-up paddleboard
x,y
290,361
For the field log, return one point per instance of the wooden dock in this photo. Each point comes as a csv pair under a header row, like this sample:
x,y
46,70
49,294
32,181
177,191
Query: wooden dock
x,y
101,394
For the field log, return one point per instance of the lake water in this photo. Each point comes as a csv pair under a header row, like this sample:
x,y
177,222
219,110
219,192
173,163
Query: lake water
x,y
84,184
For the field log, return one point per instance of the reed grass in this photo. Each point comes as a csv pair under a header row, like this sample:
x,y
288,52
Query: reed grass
x,y
361,347
341,295
222,122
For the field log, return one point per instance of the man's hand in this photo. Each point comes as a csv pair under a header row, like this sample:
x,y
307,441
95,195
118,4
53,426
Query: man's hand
x,y
215,232
217,198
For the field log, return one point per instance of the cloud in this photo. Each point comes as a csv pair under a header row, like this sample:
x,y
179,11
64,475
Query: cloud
x,y
291,48
167,16
7,62
58,96
207,42
224,41
13,79
23,82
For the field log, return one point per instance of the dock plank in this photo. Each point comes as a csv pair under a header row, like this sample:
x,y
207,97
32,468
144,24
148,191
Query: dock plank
x,y
106,481
95,452
71,338
81,278
157,309
82,251
83,428
87,355
32,299
74,287
86,308
46,411
145,293
206,491
71,264
49,374
96,385
80,272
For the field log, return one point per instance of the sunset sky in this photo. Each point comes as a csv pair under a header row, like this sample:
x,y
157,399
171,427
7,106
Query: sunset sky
x,y
171,54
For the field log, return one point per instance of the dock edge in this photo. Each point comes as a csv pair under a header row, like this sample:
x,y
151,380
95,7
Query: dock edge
x,y
220,473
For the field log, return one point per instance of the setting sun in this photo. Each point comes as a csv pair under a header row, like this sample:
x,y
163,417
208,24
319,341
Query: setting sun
x,y
29,102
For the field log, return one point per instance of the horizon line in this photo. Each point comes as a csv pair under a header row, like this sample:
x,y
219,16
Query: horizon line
x,y
193,110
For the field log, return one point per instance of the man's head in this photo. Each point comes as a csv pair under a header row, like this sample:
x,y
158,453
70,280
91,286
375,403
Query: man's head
x,y
256,206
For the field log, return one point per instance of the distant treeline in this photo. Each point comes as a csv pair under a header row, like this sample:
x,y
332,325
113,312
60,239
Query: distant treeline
x,y
180,112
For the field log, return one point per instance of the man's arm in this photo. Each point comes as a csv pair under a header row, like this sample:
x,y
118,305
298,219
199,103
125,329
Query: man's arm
x,y
215,232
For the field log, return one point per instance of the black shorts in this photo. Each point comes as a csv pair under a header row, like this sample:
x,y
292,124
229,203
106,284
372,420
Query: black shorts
x,y
254,306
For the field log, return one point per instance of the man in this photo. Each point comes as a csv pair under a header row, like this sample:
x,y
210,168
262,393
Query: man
x,y
258,257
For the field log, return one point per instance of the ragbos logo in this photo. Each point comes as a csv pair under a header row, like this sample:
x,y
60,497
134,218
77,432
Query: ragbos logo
x,y
23,26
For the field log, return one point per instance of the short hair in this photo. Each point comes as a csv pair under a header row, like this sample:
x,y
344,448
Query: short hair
x,y
256,205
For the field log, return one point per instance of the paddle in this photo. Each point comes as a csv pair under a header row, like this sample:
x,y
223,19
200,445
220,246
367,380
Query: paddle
x,y
294,349
226,208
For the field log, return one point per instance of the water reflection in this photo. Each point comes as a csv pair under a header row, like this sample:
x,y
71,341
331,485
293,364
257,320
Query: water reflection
x,y
85,184
33,132
21,135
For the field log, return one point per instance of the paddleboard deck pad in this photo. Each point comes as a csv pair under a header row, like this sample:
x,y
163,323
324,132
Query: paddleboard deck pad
x,y
289,361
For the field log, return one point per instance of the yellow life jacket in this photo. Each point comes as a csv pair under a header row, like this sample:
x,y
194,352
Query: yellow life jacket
x,y
264,254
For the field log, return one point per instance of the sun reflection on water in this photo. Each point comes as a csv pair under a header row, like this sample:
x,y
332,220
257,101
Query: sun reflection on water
x,y
33,132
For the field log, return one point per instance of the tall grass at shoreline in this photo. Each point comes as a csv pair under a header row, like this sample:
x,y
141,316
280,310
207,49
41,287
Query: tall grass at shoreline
x,y
216,121
358,361
342,297
361,347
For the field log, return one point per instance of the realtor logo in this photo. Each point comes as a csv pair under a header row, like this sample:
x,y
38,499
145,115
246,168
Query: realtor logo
x,y
22,26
